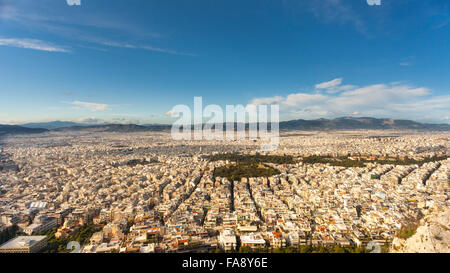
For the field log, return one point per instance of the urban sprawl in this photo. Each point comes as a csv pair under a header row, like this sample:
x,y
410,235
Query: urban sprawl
x,y
144,192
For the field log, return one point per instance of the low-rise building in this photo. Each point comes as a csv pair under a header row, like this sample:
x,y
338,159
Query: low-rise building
x,y
227,240
24,244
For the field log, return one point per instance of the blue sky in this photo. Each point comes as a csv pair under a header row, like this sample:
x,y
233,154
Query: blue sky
x,y
132,61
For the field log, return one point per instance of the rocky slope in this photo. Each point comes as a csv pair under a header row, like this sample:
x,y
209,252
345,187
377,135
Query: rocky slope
x,y
432,236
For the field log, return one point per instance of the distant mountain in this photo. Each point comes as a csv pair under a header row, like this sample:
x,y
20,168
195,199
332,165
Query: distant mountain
x,y
15,129
115,128
344,123
352,123
52,124
156,124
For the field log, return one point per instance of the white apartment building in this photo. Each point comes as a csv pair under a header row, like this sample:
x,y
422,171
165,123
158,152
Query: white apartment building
x,y
227,240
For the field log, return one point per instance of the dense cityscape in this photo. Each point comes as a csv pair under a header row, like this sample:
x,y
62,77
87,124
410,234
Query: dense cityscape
x,y
144,192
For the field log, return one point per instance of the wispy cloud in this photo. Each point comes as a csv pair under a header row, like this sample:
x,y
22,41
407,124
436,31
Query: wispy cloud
x,y
329,84
165,50
31,44
334,86
378,100
441,25
409,61
52,19
135,46
94,107
81,27
337,11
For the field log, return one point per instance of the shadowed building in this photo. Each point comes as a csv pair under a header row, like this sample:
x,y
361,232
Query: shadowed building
x,y
24,244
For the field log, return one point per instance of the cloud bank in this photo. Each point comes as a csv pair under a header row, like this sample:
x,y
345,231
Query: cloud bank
x,y
331,99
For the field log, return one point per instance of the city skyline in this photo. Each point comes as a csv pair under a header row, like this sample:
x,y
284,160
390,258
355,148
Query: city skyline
x,y
117,62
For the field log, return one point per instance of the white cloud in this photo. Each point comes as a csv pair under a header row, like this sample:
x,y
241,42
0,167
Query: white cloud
x,y
330,84
73,2
394,100
117,120
125,115
31,44
409,61
78,28
302,99
135,46
90,120
91,105
298,99
272,100
172,113
341,88
377,95
334,86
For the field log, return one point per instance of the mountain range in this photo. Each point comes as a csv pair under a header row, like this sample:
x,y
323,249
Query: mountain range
x,y
14,129
344,123
114,128
349,123
52,124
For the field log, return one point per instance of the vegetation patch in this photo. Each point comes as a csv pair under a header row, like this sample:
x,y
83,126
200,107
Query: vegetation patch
x,y
342,161
240,170
346,161
59,245
252,159
407,231
306,249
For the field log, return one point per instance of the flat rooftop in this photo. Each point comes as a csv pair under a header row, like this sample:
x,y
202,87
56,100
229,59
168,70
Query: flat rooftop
x,y
22,241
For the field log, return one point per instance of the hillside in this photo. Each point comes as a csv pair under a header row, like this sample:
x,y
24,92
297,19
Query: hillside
x,y
344,123
14,129
123,128
352,123
432,236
